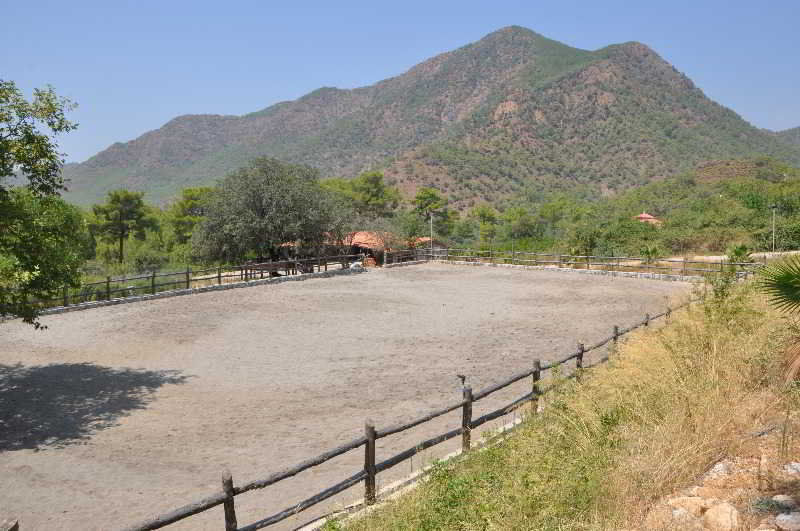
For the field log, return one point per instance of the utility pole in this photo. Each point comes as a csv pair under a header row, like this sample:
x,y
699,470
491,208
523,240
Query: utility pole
x,y
774,208
430,213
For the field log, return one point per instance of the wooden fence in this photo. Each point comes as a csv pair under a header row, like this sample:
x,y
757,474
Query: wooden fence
x,y
668,266
227,495
153,283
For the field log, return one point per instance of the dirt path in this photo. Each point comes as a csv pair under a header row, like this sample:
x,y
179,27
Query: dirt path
x,y
119,413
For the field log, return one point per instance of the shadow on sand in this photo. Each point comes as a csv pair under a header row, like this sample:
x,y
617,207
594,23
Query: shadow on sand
x,y
47,406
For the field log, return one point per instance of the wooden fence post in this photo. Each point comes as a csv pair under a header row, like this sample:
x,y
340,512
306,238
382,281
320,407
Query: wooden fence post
x,y
579,357
684,266
188,272
536,376
153,283
108,288
66,295
669,313
647,319
466,420
219,274
369,464
230,509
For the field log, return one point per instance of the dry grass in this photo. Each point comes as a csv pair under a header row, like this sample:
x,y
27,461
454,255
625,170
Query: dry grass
x,y
674,401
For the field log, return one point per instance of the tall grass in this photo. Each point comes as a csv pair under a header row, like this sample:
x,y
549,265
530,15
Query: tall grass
x,y
671,403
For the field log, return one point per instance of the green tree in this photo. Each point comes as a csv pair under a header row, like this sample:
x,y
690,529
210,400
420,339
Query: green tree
x,y
428,200
487,221
368,194
24,147
43,243
265,204
518,222
124,214
188,211
42,239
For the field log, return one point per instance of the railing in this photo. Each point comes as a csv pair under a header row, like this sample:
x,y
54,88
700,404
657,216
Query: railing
x,y
683,267
153,283
372,467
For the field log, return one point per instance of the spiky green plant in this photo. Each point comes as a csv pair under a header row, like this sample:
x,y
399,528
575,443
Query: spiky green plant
x,y
781,283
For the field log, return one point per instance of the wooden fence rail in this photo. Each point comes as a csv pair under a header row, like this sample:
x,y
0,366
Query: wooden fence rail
x,y
372,467
148,284
610,263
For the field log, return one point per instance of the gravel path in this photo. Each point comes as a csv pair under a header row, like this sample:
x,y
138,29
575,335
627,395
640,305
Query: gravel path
x,y
120,413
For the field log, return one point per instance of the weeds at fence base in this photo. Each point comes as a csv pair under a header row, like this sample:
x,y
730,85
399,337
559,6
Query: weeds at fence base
x,y
675,401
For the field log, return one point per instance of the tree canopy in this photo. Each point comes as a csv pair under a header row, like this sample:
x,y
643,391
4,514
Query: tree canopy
x,y
258,208
27,146
368,194
123,215
42,246
188,211
42,239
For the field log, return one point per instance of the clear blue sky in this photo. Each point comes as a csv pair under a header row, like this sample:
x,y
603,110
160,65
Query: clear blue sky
x,y
133,65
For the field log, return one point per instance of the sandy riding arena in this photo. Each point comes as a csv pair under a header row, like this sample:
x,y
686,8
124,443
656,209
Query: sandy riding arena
x,y
121,413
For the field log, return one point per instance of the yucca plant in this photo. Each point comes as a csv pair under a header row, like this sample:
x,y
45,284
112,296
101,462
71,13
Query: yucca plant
x,y
781,283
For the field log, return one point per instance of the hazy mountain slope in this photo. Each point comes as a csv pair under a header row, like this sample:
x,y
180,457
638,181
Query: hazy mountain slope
x,y
791,136
480,121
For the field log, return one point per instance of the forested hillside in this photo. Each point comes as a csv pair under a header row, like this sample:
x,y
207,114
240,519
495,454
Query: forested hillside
x,y
791,135
479,123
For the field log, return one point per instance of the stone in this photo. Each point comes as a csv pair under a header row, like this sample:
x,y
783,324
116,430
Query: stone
x,y
788,521
786,503
692,504
721,517
720,469
792,468
658,518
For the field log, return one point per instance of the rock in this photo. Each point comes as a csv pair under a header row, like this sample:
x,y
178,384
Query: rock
x,y
786,503
792,468
663,517
720,469
721,517
658,518
788,521
692,504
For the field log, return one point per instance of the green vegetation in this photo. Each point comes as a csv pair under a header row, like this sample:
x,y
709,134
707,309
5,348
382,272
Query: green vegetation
x,y
256,209
42,239
673,402
368,195
122,216
700,214
791,136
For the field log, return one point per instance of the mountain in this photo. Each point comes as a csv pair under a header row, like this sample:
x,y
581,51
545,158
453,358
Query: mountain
x,y
792,136
514,109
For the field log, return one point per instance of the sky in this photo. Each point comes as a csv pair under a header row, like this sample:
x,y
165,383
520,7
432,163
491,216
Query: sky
x,y
131,66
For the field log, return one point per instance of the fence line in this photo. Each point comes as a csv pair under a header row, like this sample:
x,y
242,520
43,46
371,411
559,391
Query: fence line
x,y
610,263
371,468
148,284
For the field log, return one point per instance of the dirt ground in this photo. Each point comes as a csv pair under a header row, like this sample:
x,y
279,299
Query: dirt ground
x,y
120,413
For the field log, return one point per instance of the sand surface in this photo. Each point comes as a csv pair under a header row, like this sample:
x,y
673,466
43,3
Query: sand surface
x,y
120,413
